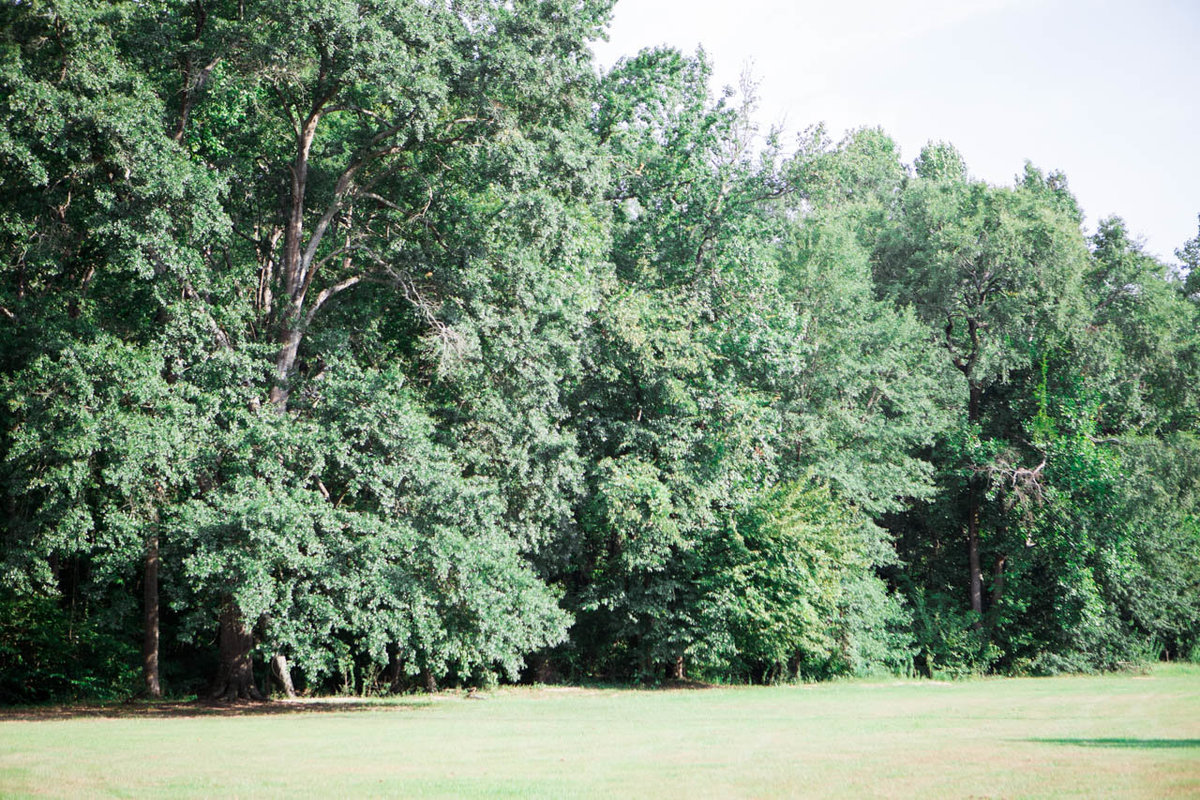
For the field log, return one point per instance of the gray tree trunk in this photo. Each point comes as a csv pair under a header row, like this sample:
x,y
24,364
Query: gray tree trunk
x,y
150,619
235,670
283,675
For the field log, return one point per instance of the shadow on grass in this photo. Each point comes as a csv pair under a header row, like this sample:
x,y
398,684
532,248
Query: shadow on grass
x,y
671,685
1146,744
317,705
204,709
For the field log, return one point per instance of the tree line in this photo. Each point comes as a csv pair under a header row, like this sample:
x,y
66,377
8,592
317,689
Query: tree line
x,y
392,344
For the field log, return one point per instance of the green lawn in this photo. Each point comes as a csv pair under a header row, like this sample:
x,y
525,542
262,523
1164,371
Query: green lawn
x,y
1111,736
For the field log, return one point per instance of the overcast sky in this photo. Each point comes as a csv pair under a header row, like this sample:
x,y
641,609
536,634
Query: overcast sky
x,y
1107,92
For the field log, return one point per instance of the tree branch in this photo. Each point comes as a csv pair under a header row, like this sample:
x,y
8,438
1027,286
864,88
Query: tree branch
x,y
328,292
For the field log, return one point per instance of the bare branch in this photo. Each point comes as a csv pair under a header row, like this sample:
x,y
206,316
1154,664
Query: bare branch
x,y
1105,440
314,239
1027,488
451,342
328,292
343,250
383,201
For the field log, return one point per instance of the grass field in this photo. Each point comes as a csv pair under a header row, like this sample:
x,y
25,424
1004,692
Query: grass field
x,y
1108,736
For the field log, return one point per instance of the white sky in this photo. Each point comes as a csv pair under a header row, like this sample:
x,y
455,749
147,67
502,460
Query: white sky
x,y
1107,91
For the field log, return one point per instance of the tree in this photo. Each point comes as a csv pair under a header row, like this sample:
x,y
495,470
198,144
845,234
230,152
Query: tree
x,y
1189,256
107,221
788,589
996,274
395,345
312,151
1143,326
670,443
715,376
369,118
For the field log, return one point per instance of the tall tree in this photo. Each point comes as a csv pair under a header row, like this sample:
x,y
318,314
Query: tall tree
x,y
375,126
215,176
996,273
715,376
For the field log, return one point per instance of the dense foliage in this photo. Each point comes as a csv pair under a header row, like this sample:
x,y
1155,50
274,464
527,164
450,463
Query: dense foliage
x,y
382,345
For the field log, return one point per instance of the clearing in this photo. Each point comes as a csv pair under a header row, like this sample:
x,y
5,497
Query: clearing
x,y
1104,736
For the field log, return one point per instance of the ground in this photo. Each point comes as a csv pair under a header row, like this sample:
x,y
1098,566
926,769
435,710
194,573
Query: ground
x,y
1127,735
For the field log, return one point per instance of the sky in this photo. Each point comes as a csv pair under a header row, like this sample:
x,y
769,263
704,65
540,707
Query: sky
x,y
1106,92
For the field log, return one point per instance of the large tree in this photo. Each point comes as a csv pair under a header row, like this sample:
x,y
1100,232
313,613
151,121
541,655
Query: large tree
x,y
720,386
997,275
198,183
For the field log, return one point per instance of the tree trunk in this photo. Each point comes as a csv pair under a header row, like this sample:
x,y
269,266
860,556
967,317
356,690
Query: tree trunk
x,y
997,588
235,671
289,346
677,671
295,282
150,619
283,675
974,505
973,553
395,668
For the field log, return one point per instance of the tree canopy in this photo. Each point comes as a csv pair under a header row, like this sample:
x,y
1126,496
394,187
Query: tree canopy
x,y
363,347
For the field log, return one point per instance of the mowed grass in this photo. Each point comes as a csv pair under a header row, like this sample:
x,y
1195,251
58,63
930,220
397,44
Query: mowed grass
x,y
1105,736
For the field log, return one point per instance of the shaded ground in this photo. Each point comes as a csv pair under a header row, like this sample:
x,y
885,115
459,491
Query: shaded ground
x,y
208,708
1137,743
197,708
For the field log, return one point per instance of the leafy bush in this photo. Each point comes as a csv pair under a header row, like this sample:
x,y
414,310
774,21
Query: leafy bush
x,y
47,655
791,591
948,642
